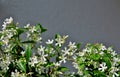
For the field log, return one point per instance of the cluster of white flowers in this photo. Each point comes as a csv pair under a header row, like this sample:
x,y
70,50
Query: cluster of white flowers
x,y
18,58
32,33
7,33
7,22
103,67
17,74
33,61
60,40
5,61
97,57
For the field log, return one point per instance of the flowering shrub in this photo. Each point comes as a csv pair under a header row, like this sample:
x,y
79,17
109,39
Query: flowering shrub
x,y
24,55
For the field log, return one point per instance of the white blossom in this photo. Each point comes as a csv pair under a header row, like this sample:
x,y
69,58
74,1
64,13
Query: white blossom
x,y
17,74
103,48
66,51
114,71
23,53
81,53
27,26
57,63
59,42
102,67
7,21
63,59
72,45
33,61
49,41
75,65
41,50
114,53
115,60
32,29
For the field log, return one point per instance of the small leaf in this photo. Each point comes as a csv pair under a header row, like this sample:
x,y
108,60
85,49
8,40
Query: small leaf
x,y
49,64
98,73
39,27
29,41
78,45
63,69
107,61
20,30
57,36
22,66
82,66
1,35
28,52
95,56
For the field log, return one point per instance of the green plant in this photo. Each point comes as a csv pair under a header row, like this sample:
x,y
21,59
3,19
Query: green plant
x,y
24,55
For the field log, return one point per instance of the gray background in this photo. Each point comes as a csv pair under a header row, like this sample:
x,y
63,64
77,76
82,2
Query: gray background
x,y
83,20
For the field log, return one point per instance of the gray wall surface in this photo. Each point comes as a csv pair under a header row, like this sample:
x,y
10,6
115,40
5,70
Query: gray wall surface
x,y
93,21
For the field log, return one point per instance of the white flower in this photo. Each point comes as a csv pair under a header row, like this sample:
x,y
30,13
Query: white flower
x,y
5,41
41,48
80,72
72,45
114,53
103,48
49,41
101,53
63,59
110,49
86,50
27,26
65,36
39,39
33,61
10,35
59,42
102,67
75,65
65,51
114,71
7,21
23,53
81,53
32,29
4,26
57,64
15,74
28,34
43,59
115,60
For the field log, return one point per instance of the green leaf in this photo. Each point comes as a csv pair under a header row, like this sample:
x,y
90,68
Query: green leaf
x,y
0,43
62,69
20,30
12,25
57,36
1,35
28,52
39,27
107,61
78,45
99,73
82,66
29,41
95,56
22,66
49,64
